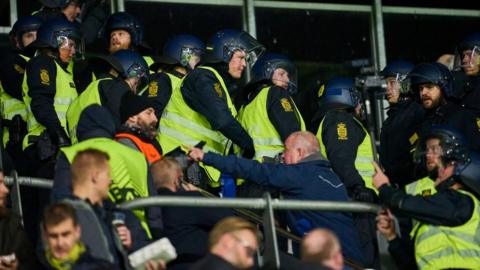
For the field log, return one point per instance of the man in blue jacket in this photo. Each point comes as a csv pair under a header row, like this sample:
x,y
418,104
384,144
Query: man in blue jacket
x,y
306,175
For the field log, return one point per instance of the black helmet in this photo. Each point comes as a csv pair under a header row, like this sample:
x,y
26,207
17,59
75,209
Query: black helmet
x,y
470,43
399,68
127,22
23,25
339,93
179,50
452,142
224,43
435,73
59,3
468,172
53,33
267,64
129,64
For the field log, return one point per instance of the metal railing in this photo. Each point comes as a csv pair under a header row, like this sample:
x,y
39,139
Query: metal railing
x,y
271,256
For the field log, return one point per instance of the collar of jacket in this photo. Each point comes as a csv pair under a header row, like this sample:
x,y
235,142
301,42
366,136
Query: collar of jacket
x,y
313,157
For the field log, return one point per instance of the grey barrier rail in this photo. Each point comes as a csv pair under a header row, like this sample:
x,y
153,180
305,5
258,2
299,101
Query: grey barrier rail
x,y
271,257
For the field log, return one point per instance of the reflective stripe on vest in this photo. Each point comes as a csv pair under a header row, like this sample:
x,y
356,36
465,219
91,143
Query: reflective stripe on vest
x,y
90,96
254,119
128,170
64,95
181,125
148,150
364,157
443,247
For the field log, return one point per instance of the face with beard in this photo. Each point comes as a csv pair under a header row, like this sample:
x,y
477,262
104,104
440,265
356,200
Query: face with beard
x,y
146,121
119,40
430,95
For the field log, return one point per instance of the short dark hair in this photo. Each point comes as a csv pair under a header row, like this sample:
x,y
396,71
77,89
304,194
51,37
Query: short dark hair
x,y
57,213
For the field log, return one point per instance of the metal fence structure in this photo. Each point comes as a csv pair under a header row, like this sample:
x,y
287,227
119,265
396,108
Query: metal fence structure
x,y
271,256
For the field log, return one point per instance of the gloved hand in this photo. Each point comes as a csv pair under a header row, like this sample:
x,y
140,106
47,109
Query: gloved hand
x,y
248,152
364,194
60,138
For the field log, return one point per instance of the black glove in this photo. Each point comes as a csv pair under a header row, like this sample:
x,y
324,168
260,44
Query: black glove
x,y
364,194
248,152
60,138
17,130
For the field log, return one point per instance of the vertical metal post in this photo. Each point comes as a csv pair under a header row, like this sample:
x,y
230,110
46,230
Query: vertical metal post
x,y
249,19
13,12
16,197
379,56
120,6
271,256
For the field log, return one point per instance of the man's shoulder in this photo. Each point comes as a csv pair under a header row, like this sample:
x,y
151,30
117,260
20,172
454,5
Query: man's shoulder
x,y
212,262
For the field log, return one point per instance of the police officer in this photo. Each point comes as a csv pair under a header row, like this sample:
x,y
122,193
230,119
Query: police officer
x,y
404,115
12,69
53,9
180,55
448,220
467,75
48,90
126,70
270,115
201,108
124,31
346,143
432,86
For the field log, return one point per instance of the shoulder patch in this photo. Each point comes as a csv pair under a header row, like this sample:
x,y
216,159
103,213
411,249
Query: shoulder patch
x,y
478,123
153,89
218,89
426,192
19,69
413,138
287,106
321,90
44,77
342,132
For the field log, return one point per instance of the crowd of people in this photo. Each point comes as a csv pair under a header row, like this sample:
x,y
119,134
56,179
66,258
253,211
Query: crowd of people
x,y
132,123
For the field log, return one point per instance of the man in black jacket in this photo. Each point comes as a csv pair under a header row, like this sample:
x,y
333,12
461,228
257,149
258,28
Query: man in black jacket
x,y
432,86
183,225
444,221
404,115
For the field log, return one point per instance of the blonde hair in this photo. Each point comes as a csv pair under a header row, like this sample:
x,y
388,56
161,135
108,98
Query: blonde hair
x,y
165,171
228,225
87,161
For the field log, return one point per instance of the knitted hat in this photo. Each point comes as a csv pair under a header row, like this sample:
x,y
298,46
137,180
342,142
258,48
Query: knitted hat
x,y
132,104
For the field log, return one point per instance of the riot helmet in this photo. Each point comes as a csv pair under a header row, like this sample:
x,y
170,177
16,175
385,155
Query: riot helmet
x,y
339,93
127,22
276,69
222,45
23,25
395,74
452,143
467,55
59,33
431,73
468,173
183,50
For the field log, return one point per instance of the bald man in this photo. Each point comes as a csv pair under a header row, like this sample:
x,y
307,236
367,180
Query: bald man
x,y
321,247
305,175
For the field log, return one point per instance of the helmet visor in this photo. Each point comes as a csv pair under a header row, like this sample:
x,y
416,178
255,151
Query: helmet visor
x,y
284,75
190,57
467,58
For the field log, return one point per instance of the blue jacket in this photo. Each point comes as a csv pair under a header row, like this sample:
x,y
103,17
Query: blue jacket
x,y
310,179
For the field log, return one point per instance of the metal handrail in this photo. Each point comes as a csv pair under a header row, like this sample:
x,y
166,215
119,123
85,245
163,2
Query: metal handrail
x,y
30,181
259,203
